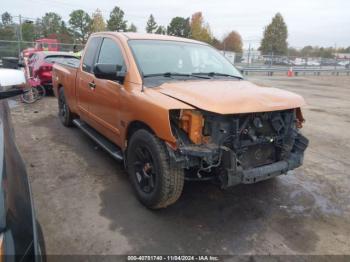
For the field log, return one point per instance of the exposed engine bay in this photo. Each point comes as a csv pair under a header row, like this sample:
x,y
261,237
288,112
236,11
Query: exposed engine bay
x,y
234,149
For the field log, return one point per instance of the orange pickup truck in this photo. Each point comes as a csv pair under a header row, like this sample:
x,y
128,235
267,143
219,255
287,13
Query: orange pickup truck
x,y
175,109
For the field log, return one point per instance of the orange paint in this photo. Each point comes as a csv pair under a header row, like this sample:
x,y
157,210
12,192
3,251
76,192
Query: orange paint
x,y
112,107
192,123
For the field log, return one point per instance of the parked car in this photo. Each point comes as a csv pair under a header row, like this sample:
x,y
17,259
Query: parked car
x,y
328,62
20,234
283,61
299,62
313,63
174,109
40,65
344,63
10,62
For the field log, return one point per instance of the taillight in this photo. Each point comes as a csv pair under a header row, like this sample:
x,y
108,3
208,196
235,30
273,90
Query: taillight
x,y
44,72
46,68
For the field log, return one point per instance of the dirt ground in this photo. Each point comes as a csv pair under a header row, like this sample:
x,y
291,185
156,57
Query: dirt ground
x,y
86,205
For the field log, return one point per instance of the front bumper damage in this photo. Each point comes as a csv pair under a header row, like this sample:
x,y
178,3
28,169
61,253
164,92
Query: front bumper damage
x,y
227,169
236,175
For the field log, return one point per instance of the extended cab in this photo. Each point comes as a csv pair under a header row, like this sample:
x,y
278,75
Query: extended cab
x,y
175,109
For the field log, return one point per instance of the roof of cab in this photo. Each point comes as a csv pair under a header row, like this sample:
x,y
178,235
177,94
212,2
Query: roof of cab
x,y
144,36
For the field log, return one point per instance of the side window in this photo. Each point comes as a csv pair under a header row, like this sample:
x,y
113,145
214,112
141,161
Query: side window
x,y
90,52
110,53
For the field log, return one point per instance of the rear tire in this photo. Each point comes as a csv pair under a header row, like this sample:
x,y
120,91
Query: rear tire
x,y
157,184
65,115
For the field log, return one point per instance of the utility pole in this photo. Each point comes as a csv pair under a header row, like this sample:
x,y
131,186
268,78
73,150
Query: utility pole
x,y
249,55
224,47
336,56
19,35
271,55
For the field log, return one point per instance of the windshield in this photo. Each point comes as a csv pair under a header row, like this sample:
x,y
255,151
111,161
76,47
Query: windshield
x,y
159,57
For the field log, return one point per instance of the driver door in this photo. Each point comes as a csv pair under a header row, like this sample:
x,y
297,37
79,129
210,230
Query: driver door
x,y
85,78
105,104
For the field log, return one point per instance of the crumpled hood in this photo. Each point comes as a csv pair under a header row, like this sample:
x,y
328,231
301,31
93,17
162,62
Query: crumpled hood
x,y
231,97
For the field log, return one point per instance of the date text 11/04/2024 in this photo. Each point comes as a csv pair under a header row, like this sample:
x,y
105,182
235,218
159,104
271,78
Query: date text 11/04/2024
x,y
173,258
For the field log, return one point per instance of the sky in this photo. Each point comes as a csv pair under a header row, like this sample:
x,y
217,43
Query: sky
x,y
310,22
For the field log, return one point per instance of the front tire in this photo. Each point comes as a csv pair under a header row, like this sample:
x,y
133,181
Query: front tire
x,y
64,113
156,183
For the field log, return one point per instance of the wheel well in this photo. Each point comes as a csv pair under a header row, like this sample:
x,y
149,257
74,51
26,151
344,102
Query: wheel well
x,y
136,125
59,86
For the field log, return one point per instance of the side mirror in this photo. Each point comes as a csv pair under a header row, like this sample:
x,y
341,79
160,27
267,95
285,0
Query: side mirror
x,y
109,72
11,83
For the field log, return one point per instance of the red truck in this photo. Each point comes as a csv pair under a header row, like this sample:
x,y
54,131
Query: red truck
x,y
42,44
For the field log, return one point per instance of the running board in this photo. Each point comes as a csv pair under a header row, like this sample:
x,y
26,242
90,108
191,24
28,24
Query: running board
x,y
111,148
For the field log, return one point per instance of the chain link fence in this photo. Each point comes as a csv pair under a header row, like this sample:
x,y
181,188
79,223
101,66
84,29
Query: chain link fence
x,y
12,48
249,58
255,59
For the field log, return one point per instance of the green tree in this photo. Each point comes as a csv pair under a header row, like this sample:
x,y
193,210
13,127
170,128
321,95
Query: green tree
x,y
28,31
38,29
65,35
160,30
307,51
315,51
343,50
7,29
7,33
132,28
293,52
6,19
116,20
151,25
50,24
327,52
179,26
80,22
275,37
98,23
199,29
233,42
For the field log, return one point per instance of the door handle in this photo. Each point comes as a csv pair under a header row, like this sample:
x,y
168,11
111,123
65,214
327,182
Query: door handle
x,y
92,85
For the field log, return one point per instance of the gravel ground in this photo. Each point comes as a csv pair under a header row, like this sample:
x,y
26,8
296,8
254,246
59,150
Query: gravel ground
x,y
86,205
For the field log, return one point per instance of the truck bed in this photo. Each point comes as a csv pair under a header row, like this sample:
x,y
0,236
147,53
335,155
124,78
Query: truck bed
x,y
64,74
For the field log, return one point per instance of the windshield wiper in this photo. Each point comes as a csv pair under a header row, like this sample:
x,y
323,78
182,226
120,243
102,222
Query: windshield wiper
x,y
170,74
211,74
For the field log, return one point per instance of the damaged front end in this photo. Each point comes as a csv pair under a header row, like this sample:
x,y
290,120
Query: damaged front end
x,y
234,149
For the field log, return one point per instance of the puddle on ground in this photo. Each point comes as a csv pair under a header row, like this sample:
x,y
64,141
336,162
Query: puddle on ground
x,y
308,197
